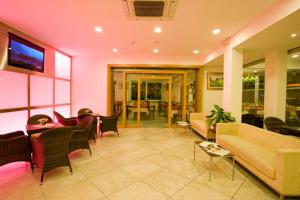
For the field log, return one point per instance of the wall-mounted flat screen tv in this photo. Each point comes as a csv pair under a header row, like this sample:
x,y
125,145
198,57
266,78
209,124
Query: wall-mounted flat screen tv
x,y
24,54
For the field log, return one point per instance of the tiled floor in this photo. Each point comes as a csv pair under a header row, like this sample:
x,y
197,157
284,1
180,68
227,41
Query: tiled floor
x,y
145,163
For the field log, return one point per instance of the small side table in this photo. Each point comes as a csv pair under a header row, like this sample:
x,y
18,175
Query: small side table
x,y
183,124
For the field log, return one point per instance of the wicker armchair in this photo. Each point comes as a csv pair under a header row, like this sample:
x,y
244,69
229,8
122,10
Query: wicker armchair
x,y
72,121
50,149
79,139
109,123
35,119
274,124
82,113
14,147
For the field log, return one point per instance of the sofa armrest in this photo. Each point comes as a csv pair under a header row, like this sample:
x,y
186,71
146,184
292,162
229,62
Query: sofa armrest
x,y
197,116
288,171
227,129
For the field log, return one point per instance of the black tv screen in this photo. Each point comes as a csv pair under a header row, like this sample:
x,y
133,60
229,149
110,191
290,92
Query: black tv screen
x,y
24,54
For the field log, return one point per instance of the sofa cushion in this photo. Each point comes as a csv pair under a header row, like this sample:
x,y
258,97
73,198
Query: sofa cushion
x,y
261,158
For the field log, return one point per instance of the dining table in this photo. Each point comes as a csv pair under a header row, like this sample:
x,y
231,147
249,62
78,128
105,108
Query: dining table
x,y
37,128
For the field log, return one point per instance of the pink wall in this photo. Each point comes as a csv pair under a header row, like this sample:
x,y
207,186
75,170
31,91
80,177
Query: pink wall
x,y
14,85
89,84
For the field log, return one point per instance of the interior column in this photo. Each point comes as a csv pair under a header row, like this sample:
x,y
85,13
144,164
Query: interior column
x,y
275,84
233,72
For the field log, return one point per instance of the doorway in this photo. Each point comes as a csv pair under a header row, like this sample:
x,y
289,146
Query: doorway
x,y
154,97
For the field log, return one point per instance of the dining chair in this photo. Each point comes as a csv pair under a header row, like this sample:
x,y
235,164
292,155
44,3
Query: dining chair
x,y
36,119
15,146
80,136
72,121
51,148
110,123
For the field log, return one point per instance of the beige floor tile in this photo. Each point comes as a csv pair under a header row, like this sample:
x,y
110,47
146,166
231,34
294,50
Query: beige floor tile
x,y
141,168
255,189
161,146
95,167
142,152
166,182
81,157
186,168
14,172
59,179
161,159
220,182
113,181
137,191
78,191
198,192
24,189
179,152
121,159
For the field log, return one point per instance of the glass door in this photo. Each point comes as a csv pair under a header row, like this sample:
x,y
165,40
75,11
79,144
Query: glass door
x,y
154,101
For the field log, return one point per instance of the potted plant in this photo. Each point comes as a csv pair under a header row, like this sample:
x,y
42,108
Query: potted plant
x,y
218,115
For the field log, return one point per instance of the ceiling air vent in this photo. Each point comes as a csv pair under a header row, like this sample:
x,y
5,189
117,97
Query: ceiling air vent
x,y
150,9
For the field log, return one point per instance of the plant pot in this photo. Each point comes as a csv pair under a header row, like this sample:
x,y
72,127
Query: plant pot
x,y
213,128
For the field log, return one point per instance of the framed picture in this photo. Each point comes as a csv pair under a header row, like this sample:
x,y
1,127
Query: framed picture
x,y
215,80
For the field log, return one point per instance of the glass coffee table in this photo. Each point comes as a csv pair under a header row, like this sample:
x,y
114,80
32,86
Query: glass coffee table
x,y
214,150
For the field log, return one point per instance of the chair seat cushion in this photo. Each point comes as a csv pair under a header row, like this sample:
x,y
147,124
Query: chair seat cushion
x,y
258,156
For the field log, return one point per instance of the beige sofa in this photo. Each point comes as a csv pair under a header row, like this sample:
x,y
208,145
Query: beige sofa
x,y
272,157
198,124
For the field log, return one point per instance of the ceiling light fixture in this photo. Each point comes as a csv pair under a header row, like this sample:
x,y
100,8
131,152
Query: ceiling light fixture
x,y
196,51
293,35
98,29
115,50
157,29
155,50
295,56
216,31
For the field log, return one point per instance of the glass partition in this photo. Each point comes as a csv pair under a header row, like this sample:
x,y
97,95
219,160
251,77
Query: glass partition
x,y
293,90
253,94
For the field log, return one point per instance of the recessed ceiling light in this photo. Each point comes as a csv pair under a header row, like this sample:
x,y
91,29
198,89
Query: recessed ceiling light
x,y
293,35
98,29
216,31
157,29
155,50
295,56
115,50
196,51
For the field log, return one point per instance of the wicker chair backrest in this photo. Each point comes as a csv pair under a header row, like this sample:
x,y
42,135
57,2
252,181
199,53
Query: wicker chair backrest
x,y
273,123
84,111
56,141
35,119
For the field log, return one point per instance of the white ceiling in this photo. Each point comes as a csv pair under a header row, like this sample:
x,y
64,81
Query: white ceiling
x,y
276,37
69,25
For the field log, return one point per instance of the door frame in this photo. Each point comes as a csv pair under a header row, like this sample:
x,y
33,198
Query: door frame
x,y
160,68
